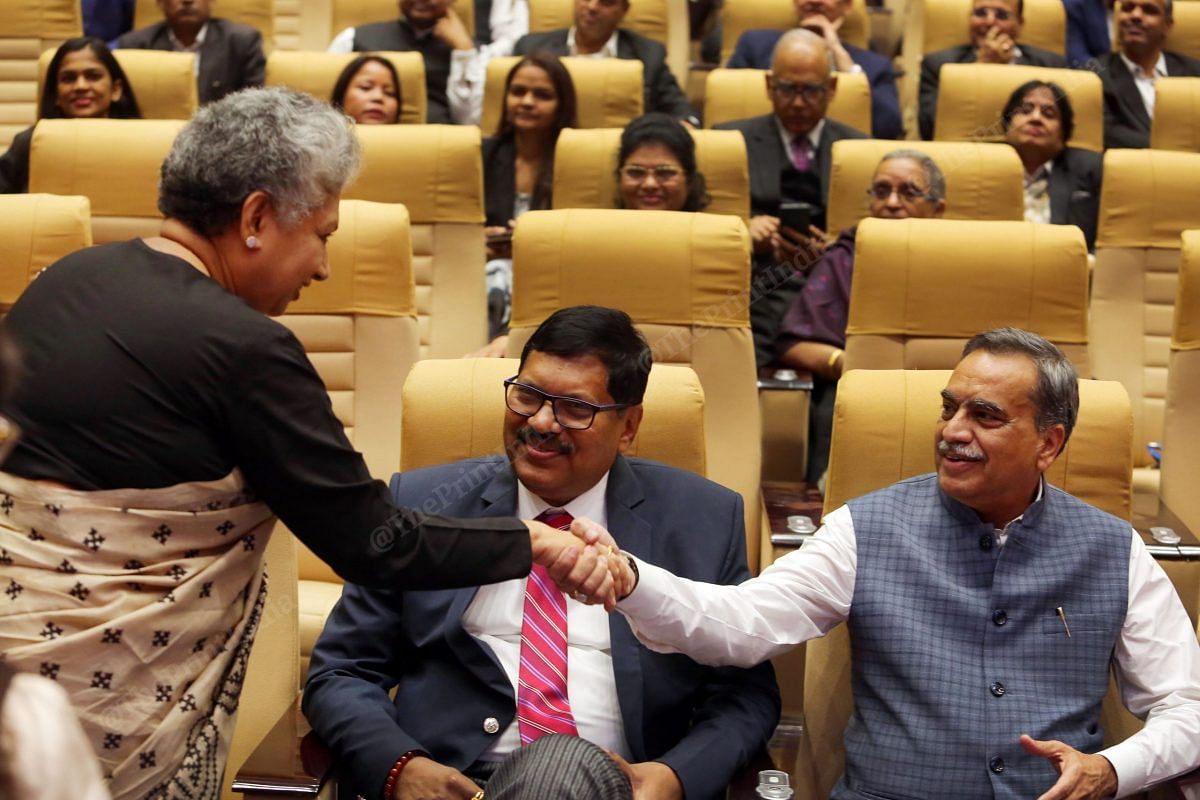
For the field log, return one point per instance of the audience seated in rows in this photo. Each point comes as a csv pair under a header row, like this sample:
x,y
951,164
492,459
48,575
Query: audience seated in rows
x,y
368,91
83,81
995,30
825,18
656,167
790,158
518,171
1062,183
229,55
907,183
1129,74
597,34
429,27
635,718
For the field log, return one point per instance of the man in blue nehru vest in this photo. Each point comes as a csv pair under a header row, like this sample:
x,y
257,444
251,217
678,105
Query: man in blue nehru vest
x,y
985,609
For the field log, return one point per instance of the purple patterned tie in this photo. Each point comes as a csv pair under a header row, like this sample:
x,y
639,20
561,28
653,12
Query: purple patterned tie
x,y
801,152
542,704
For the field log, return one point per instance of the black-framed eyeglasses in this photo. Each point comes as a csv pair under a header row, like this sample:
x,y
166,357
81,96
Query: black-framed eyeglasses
x,y
570,412
1001,14
908,192
811,92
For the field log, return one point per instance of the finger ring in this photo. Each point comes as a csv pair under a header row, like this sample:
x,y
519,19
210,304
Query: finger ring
x,y
478,795
610,549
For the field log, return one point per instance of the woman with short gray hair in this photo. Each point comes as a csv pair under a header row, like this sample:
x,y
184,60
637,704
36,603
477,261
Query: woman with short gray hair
x,y
167,422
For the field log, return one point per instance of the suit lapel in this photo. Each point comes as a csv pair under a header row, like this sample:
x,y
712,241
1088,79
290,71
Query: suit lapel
x,y
212,57
769,159
825,158
1127,92
1060,190
633,534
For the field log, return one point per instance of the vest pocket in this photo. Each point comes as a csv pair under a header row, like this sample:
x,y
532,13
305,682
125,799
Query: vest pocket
x,y
1052,624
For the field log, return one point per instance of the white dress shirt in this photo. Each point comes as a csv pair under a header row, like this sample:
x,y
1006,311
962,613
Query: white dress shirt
x,y
1145,81
193,48
494,618
809,591
814,139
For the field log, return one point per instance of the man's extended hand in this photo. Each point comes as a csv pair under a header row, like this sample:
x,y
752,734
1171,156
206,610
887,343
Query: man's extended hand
x,y
426,779
762,228
451,30
651,780
1081,776
585,571
996,48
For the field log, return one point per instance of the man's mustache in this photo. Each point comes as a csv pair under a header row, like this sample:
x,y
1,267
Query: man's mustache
x,y
965,452
543,441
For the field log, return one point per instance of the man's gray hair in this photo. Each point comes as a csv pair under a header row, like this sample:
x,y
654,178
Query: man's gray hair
x,y
933,173
1056,396
297,149
805,37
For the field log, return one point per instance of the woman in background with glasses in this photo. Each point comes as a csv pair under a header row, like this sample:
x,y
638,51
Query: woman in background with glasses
x,y
657,169
907,183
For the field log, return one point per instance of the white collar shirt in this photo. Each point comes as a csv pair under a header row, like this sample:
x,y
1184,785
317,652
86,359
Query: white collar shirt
x,y
193,48
814,138
1145,81
609,50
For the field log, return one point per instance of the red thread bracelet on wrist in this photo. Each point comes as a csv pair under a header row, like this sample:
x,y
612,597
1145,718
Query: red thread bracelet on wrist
x,y
389,786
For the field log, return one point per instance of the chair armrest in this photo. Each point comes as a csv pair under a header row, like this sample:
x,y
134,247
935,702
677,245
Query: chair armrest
x,y
784,379
290,761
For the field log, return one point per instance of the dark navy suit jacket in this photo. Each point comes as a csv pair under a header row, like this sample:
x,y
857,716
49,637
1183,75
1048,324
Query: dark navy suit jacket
x,y
754,50
1087,31
1075,190
704,722
1126,123
230,59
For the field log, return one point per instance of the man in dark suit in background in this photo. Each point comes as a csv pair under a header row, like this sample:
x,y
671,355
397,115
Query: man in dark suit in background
x,y
790,152
995,27
1129,75
597,34
461,660
825,18
229,55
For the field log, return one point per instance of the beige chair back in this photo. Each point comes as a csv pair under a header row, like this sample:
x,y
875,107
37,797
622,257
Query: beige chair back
x,y
164,83
882,433
352,13
258,14
113,162
923,287
443,191
1176,123
35,231
29,29
983,181
683,279
608,91
316,73
731,94
585,164
359,329
947,24
440,394
1181,421
780,15
1148,199
1185,36
664,21
971,98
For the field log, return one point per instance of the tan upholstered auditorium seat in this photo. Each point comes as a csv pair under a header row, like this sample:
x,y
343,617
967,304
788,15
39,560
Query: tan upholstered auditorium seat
x,y
923,287
35,231
946,24
972,97
316,73
258,14
664,21
440,395
883,432
351,13
983,181
113,162
28,30
1185,36
608,90
744,15
437,172
1181,423
733,94
1148,199
683,280
585,164
359,329
1176,123
164,83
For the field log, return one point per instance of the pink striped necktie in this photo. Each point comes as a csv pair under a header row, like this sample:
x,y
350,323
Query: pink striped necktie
x,y
542,704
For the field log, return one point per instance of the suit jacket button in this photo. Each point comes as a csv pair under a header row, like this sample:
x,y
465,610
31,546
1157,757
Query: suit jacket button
x,y
491,725
996,765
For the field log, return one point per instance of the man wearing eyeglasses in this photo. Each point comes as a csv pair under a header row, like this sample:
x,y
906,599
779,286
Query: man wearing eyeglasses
x,y
994,27
479,700
790,152
907,183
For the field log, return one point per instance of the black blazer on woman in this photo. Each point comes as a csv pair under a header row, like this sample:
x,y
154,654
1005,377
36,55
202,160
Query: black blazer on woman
x,y
500,181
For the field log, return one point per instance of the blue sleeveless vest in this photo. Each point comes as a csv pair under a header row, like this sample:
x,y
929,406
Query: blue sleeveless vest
x,y
958,650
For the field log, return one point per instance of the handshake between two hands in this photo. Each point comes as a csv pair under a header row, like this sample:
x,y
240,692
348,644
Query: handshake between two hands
x,y
584,562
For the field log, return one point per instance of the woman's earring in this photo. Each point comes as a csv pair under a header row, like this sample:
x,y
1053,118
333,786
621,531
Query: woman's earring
x,y
252,242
